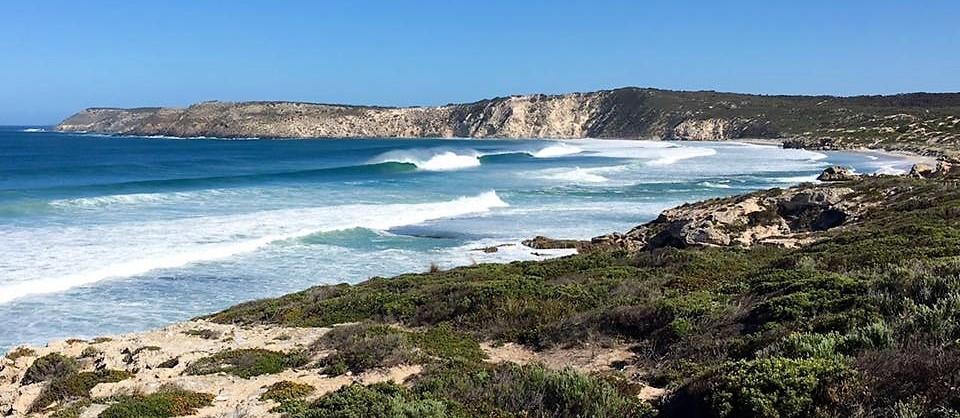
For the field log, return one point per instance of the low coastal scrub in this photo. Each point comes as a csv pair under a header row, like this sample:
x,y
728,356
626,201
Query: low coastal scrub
x,y
285,390
457,389
20,352
169,401
365,346
50,366
247,363
863,322
75,386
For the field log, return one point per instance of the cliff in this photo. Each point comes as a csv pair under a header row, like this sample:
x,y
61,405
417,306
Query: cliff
x,y
920,122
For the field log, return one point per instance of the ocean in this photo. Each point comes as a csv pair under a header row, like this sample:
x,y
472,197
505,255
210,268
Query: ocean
x,y
102,235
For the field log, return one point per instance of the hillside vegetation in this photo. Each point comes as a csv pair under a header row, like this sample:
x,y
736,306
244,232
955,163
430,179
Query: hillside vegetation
x,y
863,322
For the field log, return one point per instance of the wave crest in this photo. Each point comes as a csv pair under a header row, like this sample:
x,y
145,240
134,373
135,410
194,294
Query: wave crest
x,y
431,160
558,150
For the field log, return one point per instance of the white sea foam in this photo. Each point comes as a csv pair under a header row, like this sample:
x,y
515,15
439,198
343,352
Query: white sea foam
x,y
558,150
889,169
432,160
574,175
796,179
135,198
713,185
673,155
54,259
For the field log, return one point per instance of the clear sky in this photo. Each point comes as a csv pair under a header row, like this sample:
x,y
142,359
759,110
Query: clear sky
x,y
57,57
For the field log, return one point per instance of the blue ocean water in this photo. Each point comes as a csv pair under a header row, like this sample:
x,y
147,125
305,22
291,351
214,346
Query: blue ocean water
x,y
103,235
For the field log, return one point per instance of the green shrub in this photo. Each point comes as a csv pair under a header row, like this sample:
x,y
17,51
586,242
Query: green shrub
x,y
286,390
777,387
247,362
166,402
443,342
20,352
366,346
50,366
381,400
75,386
533,390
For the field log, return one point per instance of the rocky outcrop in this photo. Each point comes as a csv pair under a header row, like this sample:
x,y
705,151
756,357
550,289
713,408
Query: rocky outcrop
x,y
787,218
927,123
837,173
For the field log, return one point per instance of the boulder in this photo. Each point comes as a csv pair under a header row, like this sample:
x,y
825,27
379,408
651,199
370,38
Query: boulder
x,y
923,171
945,168
837,173
544,243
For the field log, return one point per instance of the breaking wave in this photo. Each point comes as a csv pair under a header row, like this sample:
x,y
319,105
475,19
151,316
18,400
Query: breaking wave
x,y
78,256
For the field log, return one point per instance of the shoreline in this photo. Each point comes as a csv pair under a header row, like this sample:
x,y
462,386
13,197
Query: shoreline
x,y
914,156
541,253
396,322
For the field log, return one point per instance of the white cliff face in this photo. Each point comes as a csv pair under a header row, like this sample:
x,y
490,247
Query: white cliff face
x,y
564,116
702,130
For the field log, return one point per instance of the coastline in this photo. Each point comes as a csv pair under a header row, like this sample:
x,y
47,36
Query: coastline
x,y
321,325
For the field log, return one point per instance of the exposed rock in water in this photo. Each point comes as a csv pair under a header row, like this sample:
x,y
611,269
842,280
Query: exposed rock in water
x,y
837,173
543,243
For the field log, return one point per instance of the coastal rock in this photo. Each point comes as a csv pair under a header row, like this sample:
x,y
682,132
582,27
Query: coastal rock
x,y
947,168
543,243
923,171
776,217
837,173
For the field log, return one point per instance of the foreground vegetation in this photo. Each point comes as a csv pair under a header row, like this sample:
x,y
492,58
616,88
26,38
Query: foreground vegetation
x,y
865,322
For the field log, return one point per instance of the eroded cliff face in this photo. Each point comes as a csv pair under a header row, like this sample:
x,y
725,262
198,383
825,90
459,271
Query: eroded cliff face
x,y
566,116
921,122
632,114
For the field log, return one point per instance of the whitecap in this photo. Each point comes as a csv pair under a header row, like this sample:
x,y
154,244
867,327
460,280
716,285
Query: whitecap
x,y
432,160
575,175
713,185
54,259
672,156
558,150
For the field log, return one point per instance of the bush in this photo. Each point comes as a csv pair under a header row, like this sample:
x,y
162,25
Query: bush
x,y
381,400
247,363
166,402
20,352
50,366
75,386
286,390
366,346
777,387
533,389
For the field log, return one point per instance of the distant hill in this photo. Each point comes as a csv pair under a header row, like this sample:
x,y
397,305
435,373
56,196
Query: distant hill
x,y
927,123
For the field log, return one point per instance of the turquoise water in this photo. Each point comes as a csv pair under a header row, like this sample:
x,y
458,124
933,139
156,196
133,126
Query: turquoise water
x,y
103,235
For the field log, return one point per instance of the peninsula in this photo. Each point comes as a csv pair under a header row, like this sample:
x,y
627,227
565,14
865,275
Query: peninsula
x,y
925,123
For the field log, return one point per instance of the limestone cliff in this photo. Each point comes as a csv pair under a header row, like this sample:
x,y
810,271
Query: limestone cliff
x,y
928,123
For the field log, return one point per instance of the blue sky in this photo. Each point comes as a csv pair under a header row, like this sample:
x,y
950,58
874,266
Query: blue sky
x,y
57,57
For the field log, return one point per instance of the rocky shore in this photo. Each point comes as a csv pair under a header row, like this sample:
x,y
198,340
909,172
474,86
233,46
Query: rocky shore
x,y
924,123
